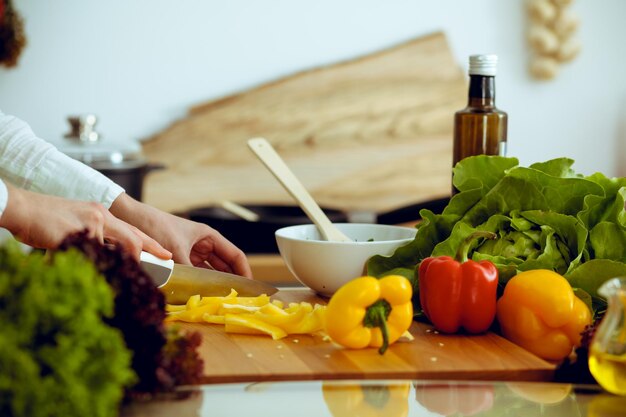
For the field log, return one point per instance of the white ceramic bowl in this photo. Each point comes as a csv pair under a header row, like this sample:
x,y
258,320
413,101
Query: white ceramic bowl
x,y
325,266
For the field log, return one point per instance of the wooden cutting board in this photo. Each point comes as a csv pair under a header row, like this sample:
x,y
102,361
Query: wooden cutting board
x,y
370,133
247,358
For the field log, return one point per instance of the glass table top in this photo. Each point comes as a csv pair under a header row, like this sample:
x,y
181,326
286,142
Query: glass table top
x,y
387,398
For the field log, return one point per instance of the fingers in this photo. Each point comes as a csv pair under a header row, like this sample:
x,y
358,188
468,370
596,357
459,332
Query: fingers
x,y
54,218
189,242
215,262
221,254
120,233
132,239
239,263
101,224
94,220
150,245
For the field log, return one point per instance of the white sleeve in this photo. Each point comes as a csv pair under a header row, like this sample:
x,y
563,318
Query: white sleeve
x,y
4,197
36,165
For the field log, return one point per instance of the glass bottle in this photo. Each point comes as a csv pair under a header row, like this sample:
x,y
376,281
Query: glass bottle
x,y
480,128
607,354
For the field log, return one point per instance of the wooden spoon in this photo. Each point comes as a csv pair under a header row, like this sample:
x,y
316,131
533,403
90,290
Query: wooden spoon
x,y
272,161
240,211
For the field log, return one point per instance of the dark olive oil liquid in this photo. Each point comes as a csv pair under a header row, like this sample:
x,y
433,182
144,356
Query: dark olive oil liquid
x,y
480,128
479,132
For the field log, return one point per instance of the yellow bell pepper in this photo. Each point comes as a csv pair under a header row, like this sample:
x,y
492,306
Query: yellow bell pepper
x,y
540,312
370,312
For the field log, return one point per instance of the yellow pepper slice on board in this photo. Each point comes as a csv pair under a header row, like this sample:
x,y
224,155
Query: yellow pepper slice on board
x,y
312,322
258,301
193,301
273,309
193,315
370,312
173,308
235,322
213,319
196,306
283,319
218,300
228,308
256,315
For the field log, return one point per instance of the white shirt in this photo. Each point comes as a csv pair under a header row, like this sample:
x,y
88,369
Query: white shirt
x,y
31,163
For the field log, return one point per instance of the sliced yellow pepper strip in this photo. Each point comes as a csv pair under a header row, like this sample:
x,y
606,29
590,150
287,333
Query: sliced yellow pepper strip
x,y
272,309
193,315
213,318
258,301
248,321
252,315
193,301
219,300
312,322
237,308
170,308
281,319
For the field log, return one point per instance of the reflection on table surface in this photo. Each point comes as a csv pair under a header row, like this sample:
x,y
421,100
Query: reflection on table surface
x,y
385,398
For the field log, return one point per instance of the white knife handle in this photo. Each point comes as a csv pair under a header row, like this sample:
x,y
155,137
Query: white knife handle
x,y
160,270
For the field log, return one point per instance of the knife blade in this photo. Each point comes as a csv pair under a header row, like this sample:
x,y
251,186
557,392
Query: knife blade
x,y
179,282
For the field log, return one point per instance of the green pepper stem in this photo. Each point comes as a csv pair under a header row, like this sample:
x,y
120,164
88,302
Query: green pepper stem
x,y
461,254
376,316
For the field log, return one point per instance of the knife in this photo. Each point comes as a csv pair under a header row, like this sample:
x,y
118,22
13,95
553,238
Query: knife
x,y
179,282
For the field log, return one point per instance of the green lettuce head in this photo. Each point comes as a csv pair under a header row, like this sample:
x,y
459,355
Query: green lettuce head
x,y
57,354
546,216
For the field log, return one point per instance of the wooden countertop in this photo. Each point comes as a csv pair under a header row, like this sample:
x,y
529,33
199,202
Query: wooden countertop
x,y
270,268
248,358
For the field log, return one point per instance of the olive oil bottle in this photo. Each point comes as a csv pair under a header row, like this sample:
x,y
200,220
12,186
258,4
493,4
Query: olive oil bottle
x,y
480,128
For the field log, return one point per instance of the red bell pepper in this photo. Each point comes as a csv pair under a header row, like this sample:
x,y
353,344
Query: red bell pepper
x,y
459,293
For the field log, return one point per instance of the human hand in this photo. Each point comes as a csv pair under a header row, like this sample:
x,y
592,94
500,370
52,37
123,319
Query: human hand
x,y
43,221
190,242
199,244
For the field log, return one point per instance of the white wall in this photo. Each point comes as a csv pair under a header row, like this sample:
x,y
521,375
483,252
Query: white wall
x,y
141,64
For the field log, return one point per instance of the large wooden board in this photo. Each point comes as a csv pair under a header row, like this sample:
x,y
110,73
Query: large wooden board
x,y
372,133
247,358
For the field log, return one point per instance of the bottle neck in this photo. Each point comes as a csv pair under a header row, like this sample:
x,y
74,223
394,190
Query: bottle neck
x,y
482,91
